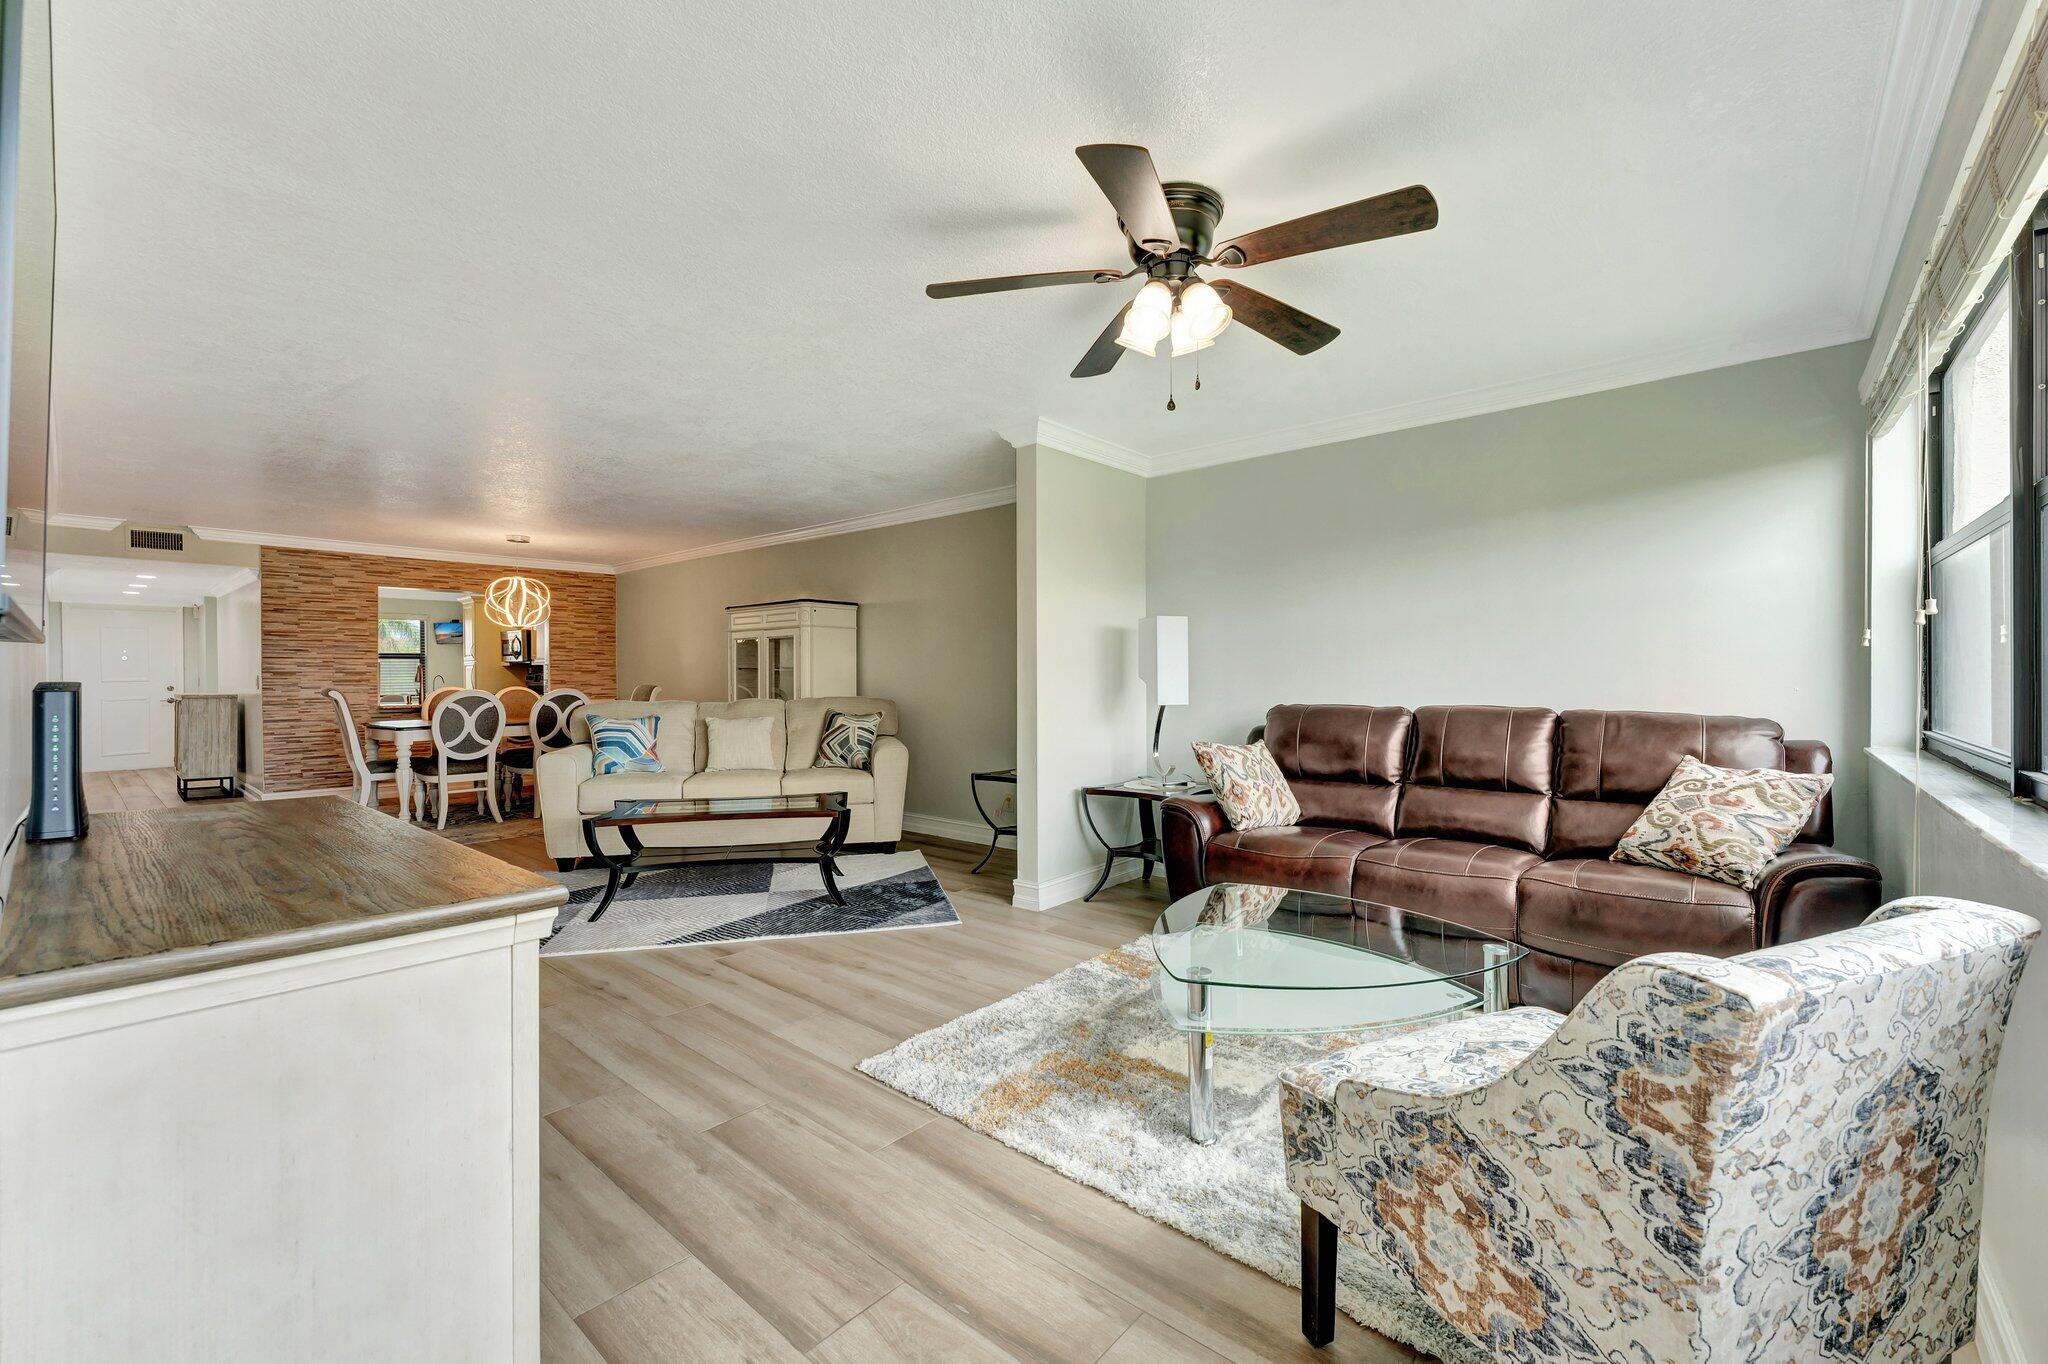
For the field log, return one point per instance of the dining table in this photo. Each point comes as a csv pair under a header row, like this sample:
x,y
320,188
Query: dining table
x,y
404,731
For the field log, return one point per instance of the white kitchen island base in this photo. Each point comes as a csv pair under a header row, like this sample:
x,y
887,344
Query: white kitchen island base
x,y
323,1157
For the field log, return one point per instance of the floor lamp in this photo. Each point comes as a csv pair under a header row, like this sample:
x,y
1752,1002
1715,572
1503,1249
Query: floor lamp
x,y
1163,663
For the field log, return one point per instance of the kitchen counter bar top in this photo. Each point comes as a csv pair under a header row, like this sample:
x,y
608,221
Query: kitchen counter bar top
x,y
150,895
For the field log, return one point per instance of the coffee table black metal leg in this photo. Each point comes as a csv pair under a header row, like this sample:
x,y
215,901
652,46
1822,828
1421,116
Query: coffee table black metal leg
x,y
828,852
617,871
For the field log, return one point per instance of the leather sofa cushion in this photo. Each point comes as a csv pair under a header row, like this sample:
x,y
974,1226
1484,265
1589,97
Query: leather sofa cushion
x,y
734,782
858,787
1295,856
1480,774
1812,757
1343,762
1458,880
596,795
1612,763
1593,910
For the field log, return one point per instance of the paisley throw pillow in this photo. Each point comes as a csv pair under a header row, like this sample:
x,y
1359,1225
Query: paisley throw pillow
x,y
1725,823
1248,785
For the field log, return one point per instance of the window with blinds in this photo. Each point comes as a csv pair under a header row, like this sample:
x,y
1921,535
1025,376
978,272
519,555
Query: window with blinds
x,y
401,662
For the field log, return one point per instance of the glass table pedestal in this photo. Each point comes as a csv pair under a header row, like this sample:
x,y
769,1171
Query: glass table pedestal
x,y
1261,961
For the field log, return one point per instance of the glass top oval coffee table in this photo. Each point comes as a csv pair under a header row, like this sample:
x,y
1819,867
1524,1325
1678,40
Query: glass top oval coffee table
x,y
1260,960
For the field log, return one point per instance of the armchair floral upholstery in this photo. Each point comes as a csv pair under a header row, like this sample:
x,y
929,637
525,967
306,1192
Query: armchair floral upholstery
x,y
1772,1157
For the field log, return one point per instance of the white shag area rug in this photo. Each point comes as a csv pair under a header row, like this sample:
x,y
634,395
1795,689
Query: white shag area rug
x,y
1082,1072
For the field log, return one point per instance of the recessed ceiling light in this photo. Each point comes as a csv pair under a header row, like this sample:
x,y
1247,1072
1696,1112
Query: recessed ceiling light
x,y
145,575
519,539
130,592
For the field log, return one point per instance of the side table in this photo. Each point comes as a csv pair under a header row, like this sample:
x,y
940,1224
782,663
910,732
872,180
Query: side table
x,y
1148,848
996,831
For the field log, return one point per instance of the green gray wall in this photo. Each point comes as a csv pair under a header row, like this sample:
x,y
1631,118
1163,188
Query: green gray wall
x,y
938,634
1693,544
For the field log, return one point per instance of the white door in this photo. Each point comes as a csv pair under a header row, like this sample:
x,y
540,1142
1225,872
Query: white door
x,y
128,662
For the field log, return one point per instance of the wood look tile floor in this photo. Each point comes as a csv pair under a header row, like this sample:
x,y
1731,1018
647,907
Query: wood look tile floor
x,y
719,1183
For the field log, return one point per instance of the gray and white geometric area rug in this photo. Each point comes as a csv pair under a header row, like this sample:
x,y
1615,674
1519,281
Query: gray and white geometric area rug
x,y
724,902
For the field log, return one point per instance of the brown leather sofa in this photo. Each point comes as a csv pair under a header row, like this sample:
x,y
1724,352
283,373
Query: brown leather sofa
x,y
1502,818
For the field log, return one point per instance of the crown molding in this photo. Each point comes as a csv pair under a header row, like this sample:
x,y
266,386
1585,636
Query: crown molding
x,y
72,521
1928,45
452,556
1475,402
1060,436
923,511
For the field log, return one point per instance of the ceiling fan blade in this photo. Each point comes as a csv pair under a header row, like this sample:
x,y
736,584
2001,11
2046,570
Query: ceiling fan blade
x,y
1103,355
1384,215
960,287
1127,177
1268,316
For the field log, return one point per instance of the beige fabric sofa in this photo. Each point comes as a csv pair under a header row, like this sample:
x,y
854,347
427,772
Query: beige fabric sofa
x,y
874,799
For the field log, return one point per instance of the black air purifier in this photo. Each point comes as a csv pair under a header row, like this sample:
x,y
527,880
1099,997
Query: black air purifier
x,y
56,812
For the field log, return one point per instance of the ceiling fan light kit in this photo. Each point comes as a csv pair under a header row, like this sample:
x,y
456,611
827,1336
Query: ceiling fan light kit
x,y
1169,228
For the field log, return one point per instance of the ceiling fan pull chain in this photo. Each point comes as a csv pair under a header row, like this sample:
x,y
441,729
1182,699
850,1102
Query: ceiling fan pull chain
x,y
1198,371
1169,379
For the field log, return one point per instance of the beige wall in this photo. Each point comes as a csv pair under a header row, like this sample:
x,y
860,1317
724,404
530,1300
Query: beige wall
x,y
937,634
1080,595
1693,544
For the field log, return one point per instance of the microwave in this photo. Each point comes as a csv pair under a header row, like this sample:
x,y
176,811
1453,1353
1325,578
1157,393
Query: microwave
x,y
517,646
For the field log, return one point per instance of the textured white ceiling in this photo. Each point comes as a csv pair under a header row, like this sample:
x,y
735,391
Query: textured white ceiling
x,y
639,276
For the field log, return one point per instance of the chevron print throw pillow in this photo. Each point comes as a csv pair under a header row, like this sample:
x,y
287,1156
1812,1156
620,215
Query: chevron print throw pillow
x,y
848,741
624,745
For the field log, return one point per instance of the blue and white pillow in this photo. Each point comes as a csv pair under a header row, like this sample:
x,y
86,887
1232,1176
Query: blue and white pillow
x,y
624,745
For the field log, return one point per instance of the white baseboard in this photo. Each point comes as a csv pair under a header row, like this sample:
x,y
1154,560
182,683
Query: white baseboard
x,y
1998,1335
953,830
1062,890
257,793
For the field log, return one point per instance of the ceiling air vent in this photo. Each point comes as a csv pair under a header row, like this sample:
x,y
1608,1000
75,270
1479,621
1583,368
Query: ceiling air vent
x,y
157,539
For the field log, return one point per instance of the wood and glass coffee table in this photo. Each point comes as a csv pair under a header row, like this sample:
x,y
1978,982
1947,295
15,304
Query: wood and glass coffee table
x,y
1259,960
628,816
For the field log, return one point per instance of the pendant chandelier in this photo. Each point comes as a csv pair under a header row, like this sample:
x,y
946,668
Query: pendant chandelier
x,y
516,603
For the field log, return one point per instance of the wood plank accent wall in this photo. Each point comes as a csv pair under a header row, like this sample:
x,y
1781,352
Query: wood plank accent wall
x,y
320,631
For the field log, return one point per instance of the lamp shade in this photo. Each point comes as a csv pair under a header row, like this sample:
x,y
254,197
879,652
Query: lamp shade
x,y
1163,658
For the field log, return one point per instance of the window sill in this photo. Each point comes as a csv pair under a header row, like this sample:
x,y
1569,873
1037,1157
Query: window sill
x,y
2018,826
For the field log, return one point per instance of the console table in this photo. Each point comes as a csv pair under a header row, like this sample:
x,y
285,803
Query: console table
x,y
1007,775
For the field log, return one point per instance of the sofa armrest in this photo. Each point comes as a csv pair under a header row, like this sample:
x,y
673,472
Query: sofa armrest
x,y
557,775
1811,889
890,764
1186,824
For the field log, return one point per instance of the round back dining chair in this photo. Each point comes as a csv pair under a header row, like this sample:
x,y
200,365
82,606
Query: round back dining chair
x,y
519,703
367,771
646,691
466,727
549,722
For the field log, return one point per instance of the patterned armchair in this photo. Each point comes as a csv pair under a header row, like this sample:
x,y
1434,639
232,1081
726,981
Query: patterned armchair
x,y
1773,1157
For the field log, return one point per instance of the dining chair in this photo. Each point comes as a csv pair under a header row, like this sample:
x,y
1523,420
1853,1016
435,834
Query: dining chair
x,y
367,771
646,691
519,703
466,730
547,724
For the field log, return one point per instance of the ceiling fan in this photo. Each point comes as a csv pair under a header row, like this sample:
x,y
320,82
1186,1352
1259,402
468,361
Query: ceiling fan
x,y
1170,229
